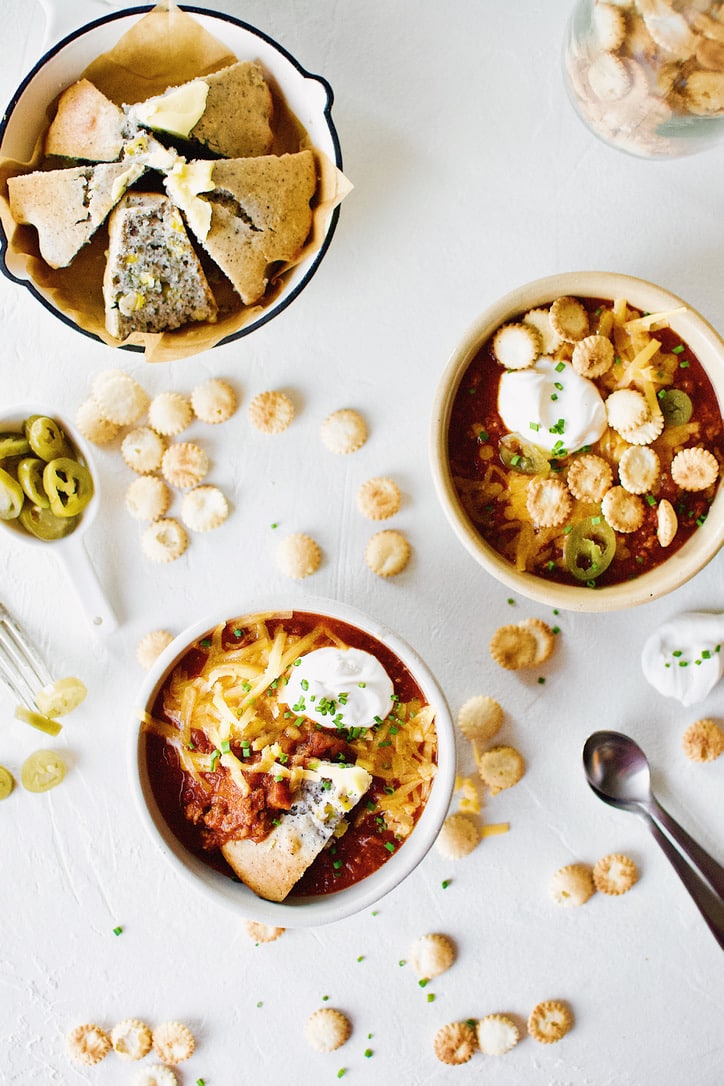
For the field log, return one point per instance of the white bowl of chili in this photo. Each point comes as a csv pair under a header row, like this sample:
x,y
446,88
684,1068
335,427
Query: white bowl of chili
x,y
571,497
292,810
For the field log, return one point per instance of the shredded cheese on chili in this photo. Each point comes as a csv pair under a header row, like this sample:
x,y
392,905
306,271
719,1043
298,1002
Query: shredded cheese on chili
x,y
233,698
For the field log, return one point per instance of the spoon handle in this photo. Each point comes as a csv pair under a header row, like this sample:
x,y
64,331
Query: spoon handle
x,y
709,904
707,866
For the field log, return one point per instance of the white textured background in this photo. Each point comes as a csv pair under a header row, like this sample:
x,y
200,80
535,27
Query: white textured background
x,y
471,176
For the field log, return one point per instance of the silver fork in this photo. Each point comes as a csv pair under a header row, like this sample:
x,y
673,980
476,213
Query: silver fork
x,y
22,669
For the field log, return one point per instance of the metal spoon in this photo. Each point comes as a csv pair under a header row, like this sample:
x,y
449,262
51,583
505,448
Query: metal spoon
x,y
618,772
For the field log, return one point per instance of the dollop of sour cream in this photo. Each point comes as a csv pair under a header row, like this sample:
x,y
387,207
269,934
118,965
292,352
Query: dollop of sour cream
x,y
347,688
684,658
551,406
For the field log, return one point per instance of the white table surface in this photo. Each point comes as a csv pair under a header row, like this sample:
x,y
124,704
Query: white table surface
x,y
471,175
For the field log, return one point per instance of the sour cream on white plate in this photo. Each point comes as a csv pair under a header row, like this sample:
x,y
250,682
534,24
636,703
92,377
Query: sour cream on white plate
x,y
346,688
684,658
551,406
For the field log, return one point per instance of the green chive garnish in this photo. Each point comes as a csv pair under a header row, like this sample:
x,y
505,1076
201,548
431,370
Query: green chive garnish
x,y
118,930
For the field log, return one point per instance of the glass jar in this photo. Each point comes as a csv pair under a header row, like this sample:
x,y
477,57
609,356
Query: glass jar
x,y
647,76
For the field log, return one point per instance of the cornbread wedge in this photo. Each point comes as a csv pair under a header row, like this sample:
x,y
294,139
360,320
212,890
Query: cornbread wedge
x,y
272,867
153,280
66,207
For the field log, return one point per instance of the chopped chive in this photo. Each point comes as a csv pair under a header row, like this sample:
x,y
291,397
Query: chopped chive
x,y
238,632
402,961
556,629
362,685
274,525
534,426
483,435
118,930
389,846
678,349
677,652
541,679
684,363
514,460
215,755
342,1072
560,367
554,396
445,883
651,499
706,655
224,746
367,1053
596,520
206,643
568,529
430,997
510,600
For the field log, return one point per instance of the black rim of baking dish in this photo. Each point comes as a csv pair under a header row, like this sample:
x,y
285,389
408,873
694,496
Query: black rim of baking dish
x,y
265,316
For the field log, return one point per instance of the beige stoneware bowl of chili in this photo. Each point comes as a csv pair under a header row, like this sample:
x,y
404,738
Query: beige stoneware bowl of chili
x,y
465,413
368,860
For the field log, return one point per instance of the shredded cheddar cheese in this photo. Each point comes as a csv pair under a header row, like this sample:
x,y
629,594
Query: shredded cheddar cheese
x,y
233,700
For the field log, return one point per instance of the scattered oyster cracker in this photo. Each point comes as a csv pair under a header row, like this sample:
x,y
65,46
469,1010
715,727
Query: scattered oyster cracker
x,y
694,469
158,1075
150,647
148,498
262,933
131,1039
164,540
513,647
703,741
271,412
173,1042
214,401
93,425
569,319
480,718
120,398
88,1044
204,508
500,768
614,874
298,556
170,413
589,477
184,465
142,449
496,1034
622,510
549,1021
458,837
387,553
379,498
516,346
548,502
344,431
455,1043
431,955
572,885
684,657
327,1029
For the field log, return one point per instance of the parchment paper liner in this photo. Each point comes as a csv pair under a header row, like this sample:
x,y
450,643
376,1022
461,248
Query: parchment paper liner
x,y
165,47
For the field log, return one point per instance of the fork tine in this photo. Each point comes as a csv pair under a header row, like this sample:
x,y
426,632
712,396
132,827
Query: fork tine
x,y
21,667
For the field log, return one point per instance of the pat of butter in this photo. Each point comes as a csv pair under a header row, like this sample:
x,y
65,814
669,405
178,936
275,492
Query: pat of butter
x,y
176,112
351,781
183,184
126,179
